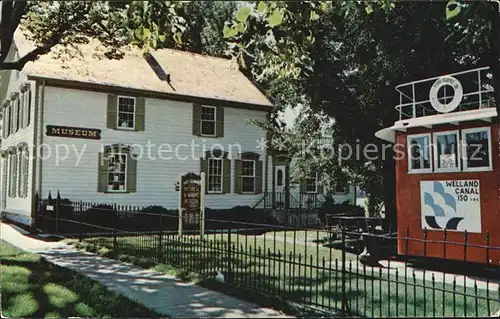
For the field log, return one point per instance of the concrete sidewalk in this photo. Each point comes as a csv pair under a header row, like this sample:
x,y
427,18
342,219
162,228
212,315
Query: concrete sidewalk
x,y
162,293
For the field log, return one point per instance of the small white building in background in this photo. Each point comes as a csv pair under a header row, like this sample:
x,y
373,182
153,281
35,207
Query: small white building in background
x,y
122,131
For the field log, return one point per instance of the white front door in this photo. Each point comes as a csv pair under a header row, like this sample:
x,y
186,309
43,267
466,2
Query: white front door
x,y
279,179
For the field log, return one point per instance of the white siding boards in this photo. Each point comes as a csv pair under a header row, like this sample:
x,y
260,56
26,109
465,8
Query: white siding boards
x,y
118,169
16,173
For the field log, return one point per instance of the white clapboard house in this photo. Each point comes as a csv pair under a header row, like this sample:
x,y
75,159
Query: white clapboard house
x,y
122,131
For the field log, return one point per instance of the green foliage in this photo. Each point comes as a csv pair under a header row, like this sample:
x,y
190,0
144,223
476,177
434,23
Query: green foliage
x,y
196,26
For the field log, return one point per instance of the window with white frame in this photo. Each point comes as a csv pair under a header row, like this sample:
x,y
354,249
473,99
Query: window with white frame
x,y
12,175
247,176
476,145
419,157
18,113
8,125
23,162
126,112
446,151
14,116
215,175
26,105
312,183
117,172
208,120
4,132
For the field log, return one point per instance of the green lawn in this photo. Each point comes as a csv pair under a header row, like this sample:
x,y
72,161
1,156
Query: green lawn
x,y
32,287
304,272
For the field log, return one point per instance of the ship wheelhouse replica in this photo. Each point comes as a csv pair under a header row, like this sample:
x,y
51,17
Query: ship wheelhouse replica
x,y
447,150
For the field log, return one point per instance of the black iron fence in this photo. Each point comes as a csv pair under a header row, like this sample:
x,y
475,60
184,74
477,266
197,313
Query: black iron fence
x,y
315,268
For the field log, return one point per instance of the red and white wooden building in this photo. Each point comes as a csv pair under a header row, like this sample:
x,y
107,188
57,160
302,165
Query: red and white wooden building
x,y
447,146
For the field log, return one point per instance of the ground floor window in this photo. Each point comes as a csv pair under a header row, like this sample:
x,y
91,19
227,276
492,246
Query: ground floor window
x,y
23,172
12,175
117,172
312,183
117,167
215,175
248,176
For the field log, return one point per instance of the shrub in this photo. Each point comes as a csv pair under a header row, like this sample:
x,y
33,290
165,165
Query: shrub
x,y
149,218
330,207
101,215
242,214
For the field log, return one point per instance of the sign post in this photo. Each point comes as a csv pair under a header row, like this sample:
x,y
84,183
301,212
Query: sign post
x,y
192,201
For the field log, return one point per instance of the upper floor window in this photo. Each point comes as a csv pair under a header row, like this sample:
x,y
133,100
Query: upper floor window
x,y
5,121
208,120
477,149
419,157
248,176
446,151
26,106
126,112
17,104
10,111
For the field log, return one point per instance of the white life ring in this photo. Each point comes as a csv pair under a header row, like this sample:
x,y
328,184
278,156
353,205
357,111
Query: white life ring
x,y
457,97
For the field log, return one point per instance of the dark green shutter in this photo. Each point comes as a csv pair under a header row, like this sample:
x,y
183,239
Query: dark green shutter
x,y
131,173
220,122
140,114
102,178
226,178
237,176
204,169
196,119
258,177
112,111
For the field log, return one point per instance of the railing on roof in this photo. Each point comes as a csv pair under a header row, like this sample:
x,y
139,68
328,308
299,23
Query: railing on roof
x,y
477,86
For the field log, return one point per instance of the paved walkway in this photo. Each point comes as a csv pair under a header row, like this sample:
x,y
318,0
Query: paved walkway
x,y
162,293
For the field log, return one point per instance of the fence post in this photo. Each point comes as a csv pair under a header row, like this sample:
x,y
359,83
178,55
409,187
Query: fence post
x,y
115,211
160,239
345,306
58,198
229,253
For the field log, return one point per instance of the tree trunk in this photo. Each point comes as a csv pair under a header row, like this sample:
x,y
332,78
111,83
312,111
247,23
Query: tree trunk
x,y
389,169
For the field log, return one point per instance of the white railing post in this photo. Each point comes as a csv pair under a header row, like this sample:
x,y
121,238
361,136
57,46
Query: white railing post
x,y
413,100
480,90
400,106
